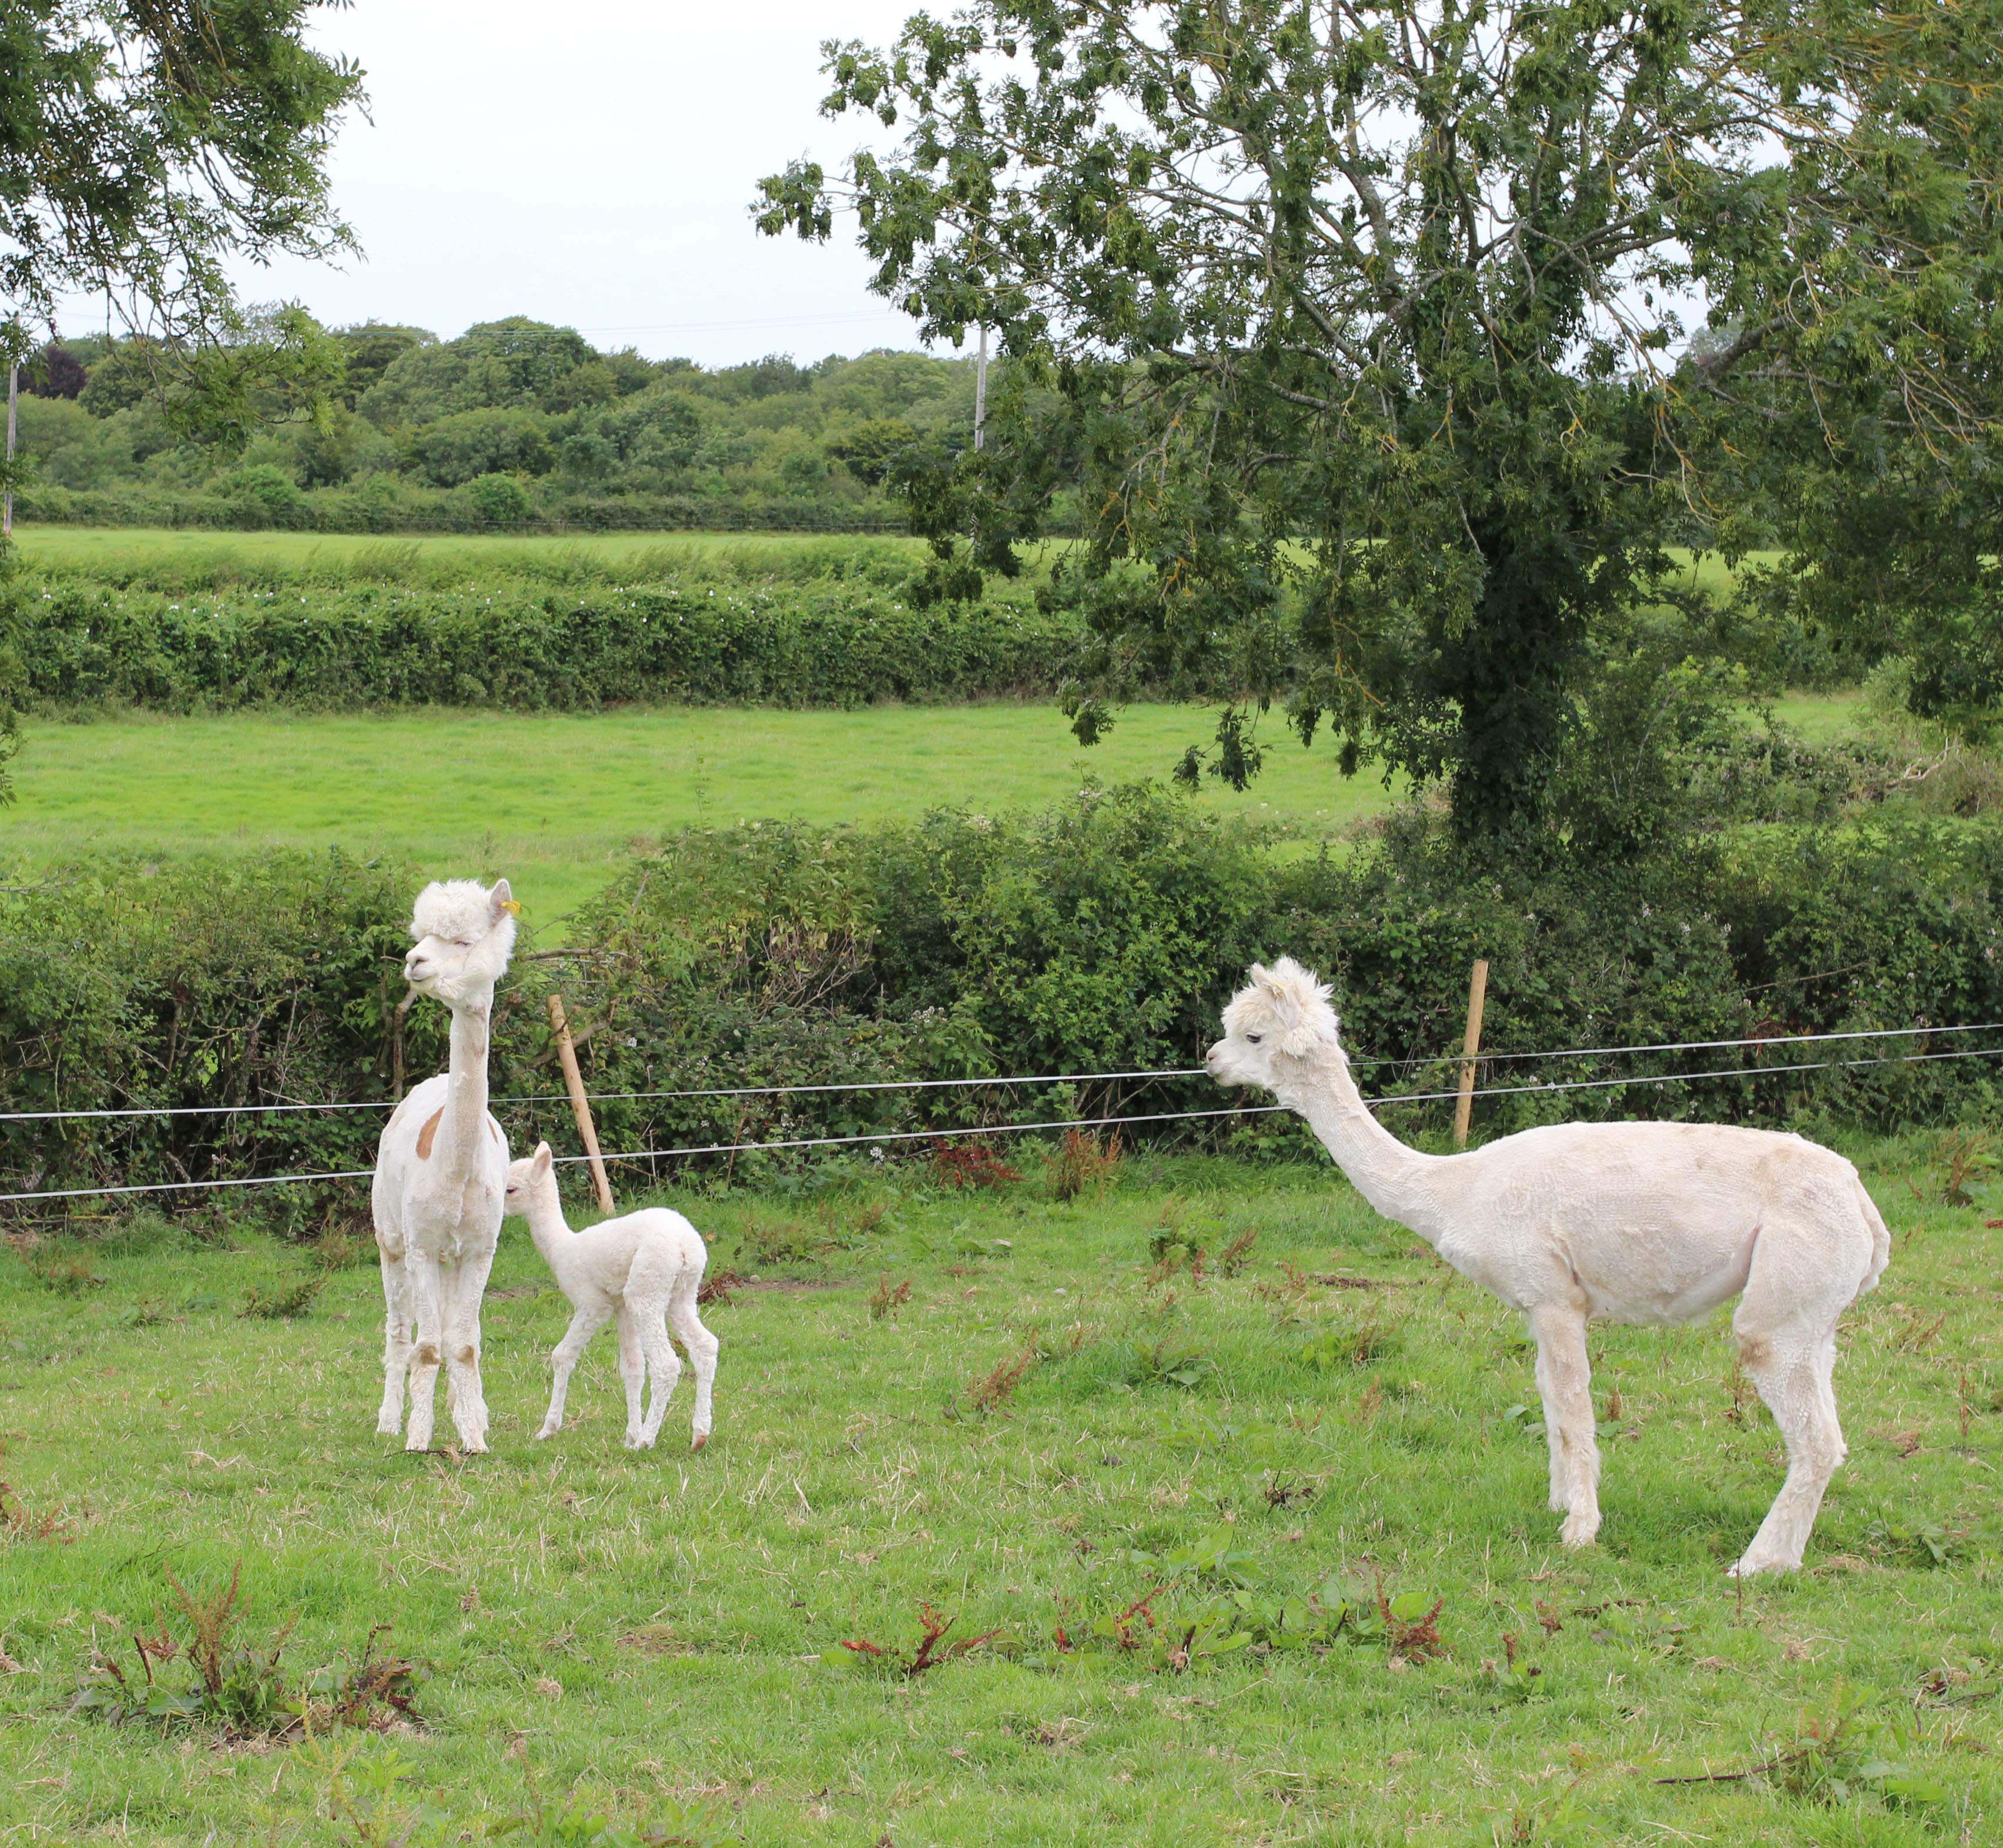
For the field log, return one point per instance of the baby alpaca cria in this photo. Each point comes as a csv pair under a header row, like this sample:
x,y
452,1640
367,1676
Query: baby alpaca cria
x,y
642,1269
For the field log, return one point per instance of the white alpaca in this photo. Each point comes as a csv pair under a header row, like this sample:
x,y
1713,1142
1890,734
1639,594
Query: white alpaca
x,y
1632,1222
645,1268
441,1170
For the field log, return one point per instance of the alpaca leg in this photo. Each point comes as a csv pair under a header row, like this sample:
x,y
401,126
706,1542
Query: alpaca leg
x,y
466,1286
1564,1379
398,1317
664,1368
422,1270
1803,1278
701,1346
589,1319
1793,1370
632,1373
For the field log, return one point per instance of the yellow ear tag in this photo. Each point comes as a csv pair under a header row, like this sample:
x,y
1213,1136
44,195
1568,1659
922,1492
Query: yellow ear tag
x,y
511,906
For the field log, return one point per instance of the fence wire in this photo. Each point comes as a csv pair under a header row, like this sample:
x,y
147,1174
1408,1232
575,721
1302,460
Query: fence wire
x,y
882,1137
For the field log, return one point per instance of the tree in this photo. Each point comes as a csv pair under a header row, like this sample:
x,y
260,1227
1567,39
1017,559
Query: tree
x,y
142,143
1370,320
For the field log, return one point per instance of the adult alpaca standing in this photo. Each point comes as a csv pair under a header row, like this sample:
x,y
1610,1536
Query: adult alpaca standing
x,y
442,1171
1633,1222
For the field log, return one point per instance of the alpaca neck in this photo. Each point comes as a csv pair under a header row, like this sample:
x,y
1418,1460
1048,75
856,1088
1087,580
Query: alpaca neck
x,y
550,1231
464,1122
1399,1182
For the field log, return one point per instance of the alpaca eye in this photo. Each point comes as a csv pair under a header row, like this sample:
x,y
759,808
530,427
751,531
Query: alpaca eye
x,y
1255,1037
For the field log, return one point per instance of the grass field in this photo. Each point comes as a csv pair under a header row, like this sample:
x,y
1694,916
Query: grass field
x,y
1343,1414
553,801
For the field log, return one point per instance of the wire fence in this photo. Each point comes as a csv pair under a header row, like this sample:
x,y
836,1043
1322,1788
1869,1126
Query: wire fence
x,y
885,1138
1165,1073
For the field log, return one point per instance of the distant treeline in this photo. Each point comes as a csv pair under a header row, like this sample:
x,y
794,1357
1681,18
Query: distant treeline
x,y
515,425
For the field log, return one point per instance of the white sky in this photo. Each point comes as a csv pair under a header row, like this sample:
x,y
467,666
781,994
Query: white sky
x,y
592,165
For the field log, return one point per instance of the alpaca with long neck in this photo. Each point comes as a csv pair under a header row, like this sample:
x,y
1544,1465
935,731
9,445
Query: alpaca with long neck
x,y
1637,1222
645,1270
442,1171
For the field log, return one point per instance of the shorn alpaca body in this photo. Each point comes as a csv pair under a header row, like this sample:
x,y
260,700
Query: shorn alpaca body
x,y
642,1270
1631,1222
442,1171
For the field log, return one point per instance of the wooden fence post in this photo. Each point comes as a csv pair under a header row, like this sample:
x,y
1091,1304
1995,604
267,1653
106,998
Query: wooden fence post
x,y
580,1108
1478,993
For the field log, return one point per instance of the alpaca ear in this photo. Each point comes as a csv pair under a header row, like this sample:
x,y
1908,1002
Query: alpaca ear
x,y
500,903
539,1163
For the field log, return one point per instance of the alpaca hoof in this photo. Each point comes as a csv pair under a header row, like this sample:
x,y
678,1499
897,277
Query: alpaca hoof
x,y
700,1439
547,1432
1578,1530
389,1427
1757,1563
1558,1504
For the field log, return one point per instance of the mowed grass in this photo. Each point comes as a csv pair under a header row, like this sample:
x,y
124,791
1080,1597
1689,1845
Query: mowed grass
x,y
555,801
652,1628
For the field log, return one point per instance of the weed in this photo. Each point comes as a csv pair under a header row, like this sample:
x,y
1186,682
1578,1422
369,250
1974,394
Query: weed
x,y
1917,1332
1348,1347
1082,1164
930,1651
341,1252
963,1165
147,1313
884,1299
1235,1255
1411,1626
1837,1756
719,1289
241,1690
1968,1155
1928,1544
764,1241
287,1303
17,1523
1168,1363
993,1391
75,1278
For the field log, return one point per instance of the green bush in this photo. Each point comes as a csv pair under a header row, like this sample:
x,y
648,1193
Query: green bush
x,y
516,646
1103,935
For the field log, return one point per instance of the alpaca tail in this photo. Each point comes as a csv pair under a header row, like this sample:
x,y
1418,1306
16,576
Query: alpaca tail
x,y
1881,1239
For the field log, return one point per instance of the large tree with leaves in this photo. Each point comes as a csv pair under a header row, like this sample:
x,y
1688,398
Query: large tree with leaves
x,y
1387,344
143,143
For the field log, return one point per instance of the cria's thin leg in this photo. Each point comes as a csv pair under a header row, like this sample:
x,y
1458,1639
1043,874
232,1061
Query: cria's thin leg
x,y
422,1272
465,1285
398,1317
701,1346
632,1372
1564,1379
589,1319
664,1367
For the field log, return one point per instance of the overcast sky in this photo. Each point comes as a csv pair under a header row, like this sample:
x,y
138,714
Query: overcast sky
x,y
592,164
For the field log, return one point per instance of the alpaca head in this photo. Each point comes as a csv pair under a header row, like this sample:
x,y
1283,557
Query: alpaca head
x,y
465,933
529,1180
1280,1017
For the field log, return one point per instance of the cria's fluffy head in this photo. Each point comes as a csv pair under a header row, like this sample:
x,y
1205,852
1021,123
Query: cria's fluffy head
x,y
527,1179
1282,1012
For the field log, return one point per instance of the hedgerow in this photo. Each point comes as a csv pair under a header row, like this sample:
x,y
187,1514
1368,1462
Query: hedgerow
x,y
523,646
1100,936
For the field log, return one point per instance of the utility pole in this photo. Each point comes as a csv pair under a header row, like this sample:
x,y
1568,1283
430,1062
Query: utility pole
x,y
980,393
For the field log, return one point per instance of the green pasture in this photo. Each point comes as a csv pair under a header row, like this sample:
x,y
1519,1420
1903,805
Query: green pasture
x,y
1181,1457
555,801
